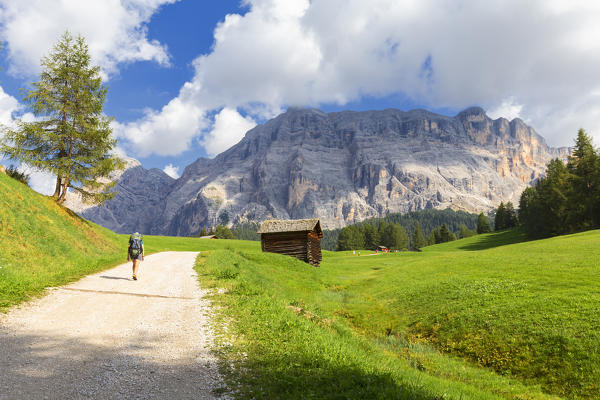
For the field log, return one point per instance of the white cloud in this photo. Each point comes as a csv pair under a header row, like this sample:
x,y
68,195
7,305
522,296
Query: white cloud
x,y
171,170
508,109
8,107
40,181
538,60
167,132
228,129
114,29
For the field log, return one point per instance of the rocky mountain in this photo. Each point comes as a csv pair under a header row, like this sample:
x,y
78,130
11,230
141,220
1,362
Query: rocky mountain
x,y
342,167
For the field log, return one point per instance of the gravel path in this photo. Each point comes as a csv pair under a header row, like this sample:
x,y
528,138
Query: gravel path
x,y
109,337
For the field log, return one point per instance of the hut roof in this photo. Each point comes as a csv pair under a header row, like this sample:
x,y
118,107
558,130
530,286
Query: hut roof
x,y
294,225
209,237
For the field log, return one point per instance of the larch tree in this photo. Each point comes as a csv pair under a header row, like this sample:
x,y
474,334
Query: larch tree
x,y
70,137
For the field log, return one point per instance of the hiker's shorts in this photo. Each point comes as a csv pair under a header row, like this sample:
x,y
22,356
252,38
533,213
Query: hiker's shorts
x,y
138,257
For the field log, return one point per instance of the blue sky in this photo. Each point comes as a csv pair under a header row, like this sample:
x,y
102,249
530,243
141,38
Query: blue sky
x,y
188,78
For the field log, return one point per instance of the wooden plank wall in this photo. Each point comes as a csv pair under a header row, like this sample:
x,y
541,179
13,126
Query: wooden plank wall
x,y
288,243
314,249
302,245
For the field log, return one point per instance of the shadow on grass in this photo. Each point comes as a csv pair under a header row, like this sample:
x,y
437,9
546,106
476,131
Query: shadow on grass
x,y
496,239
46,365
295,377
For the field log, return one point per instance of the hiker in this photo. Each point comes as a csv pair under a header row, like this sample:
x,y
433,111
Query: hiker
x,y
135,252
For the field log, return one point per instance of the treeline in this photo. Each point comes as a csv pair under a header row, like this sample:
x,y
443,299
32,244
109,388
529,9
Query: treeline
x,y
246,231
370,235
395,231
567,199
220,231
399,231
243,231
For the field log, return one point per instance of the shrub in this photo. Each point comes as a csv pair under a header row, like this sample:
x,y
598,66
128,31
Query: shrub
x,y
14,173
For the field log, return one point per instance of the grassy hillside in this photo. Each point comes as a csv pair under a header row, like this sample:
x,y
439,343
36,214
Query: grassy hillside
x,y
484,317
42,244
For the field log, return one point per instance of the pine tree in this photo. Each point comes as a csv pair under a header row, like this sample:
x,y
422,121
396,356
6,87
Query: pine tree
x,y
437,236
395,237
431,240
381,231
510,219
529,212
444,234
71,137
350,238
584,165
500,218
483,224
418,240
371,236
556,208
343,242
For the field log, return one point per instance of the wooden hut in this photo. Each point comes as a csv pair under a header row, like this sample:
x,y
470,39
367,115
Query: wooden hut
x,y
299,238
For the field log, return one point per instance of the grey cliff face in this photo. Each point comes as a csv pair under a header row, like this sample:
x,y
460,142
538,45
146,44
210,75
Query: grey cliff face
x,y
341,167
140,198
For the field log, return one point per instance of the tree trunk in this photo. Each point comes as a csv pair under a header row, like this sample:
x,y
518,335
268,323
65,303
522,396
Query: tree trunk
x,y
63,194
56,194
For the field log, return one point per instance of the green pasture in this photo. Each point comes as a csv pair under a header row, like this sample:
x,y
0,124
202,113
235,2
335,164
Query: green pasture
x,y
484,317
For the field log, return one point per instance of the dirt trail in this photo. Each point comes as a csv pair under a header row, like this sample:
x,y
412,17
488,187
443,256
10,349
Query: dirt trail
x,y
109,337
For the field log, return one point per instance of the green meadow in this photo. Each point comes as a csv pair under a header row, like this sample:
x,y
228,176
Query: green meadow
x,y
480,318
488,317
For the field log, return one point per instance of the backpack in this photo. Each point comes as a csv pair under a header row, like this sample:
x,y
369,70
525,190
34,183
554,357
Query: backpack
x,y
135,244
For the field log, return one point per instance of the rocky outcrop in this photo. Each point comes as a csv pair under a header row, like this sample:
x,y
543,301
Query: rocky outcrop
x,y
140,198
341,167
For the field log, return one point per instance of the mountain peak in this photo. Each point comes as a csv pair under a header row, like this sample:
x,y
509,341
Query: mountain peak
x,y
303,110
472,111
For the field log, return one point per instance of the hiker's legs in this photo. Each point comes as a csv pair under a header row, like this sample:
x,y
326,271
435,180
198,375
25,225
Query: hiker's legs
x,y
136,264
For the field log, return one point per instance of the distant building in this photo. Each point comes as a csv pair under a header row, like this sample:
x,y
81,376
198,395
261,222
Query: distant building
x,y
382,249
209,237
299,238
